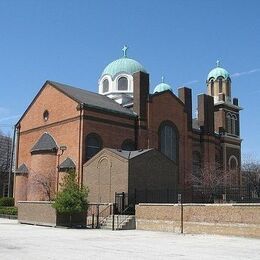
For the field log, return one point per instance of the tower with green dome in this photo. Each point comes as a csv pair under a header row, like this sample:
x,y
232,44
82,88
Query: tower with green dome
x,y
226,110
117,81
162,87
219,83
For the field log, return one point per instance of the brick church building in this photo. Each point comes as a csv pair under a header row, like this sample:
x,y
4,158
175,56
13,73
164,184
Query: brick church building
x,y
65,126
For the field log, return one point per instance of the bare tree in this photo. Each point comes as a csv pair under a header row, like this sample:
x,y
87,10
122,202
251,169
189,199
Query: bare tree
x,y
211,179
251,174
43,185
5,162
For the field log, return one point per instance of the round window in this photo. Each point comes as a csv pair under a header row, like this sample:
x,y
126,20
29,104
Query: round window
x,y
45,115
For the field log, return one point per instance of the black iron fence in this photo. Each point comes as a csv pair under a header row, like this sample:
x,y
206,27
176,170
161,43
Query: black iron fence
x,y
198,195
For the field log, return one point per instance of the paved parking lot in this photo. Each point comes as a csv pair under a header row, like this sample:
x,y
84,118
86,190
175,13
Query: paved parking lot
x,y
34,242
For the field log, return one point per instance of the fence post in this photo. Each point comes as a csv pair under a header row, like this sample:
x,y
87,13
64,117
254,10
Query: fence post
x,y
93,220
97,216
180,203
113,217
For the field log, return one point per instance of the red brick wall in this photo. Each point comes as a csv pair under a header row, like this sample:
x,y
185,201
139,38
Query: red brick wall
x,y
63,124
164,107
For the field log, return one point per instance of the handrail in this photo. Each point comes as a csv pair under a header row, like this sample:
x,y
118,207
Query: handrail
x,y
122,214
107,215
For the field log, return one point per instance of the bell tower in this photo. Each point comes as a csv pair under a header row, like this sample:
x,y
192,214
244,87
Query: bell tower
x,y
219,84
226,117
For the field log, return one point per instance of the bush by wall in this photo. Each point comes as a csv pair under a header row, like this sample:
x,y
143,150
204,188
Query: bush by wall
x,y
6,202
8,210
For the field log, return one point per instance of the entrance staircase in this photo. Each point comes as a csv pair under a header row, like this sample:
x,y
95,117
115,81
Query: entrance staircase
x,y
121,222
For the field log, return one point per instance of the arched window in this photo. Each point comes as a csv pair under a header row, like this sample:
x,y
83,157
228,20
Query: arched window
x,y
93,145
220,85
233,124
229,123
169,140
196,164
105,85
45,115
128,145
233,162
228,88
212,87
122,84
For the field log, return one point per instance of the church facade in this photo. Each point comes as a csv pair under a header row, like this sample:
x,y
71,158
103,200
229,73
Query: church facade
x,y
65,126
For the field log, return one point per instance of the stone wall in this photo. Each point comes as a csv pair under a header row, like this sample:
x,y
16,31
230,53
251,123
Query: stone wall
x,y
222,219
37,213
42,213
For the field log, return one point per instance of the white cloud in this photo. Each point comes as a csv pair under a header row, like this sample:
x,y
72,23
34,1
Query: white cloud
x,y
190,82
4,111
238,74
8,118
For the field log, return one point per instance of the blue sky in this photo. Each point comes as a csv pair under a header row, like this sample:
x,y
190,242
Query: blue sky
x,y
72,41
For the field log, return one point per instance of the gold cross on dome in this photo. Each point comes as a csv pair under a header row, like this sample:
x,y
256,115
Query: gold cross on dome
x,y
125,48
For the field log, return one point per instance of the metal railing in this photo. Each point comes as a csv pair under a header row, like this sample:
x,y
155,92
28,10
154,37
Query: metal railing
x,y
220,194
124,215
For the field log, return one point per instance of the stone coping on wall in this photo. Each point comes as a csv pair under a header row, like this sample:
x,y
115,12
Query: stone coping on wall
x,y
198,204
36,202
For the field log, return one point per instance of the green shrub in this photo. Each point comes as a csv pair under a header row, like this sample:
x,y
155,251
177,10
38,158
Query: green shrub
x,y
72,198
8,210
6,202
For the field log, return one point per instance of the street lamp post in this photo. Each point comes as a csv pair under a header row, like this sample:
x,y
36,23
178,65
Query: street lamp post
x,y
60,153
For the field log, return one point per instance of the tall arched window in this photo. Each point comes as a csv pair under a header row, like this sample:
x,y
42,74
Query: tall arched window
x,y
233,164
233,124
122,84
128,145
220,85
228,88
105,85
169,140
229,123
212,87
93,145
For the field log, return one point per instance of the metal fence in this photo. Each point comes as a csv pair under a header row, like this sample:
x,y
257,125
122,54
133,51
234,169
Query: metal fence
x,y
198,195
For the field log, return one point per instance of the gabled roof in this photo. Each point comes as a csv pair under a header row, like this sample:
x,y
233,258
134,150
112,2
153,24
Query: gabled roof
x,y
22,169
67,164
86,98
91,99
128,154
156,94
45,144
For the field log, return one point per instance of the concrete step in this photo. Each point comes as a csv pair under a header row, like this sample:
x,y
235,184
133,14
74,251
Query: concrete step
x,y
121,222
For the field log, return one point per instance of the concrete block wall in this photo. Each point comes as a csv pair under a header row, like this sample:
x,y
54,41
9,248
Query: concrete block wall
x,y
222,219
36,213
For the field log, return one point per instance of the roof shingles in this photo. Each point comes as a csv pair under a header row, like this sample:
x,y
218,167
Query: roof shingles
x,y
92,99
44,144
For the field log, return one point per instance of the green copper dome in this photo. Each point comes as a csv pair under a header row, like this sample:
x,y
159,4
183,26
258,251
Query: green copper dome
x,y
162,87
123,65
218,72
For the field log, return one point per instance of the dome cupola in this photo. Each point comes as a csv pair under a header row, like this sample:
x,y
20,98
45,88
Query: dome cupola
x,y
122,65
162,87
218,72
219,84
117,81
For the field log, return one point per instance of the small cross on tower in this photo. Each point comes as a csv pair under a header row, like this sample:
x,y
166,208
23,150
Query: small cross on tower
x,y
162,79
125,48
217,63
